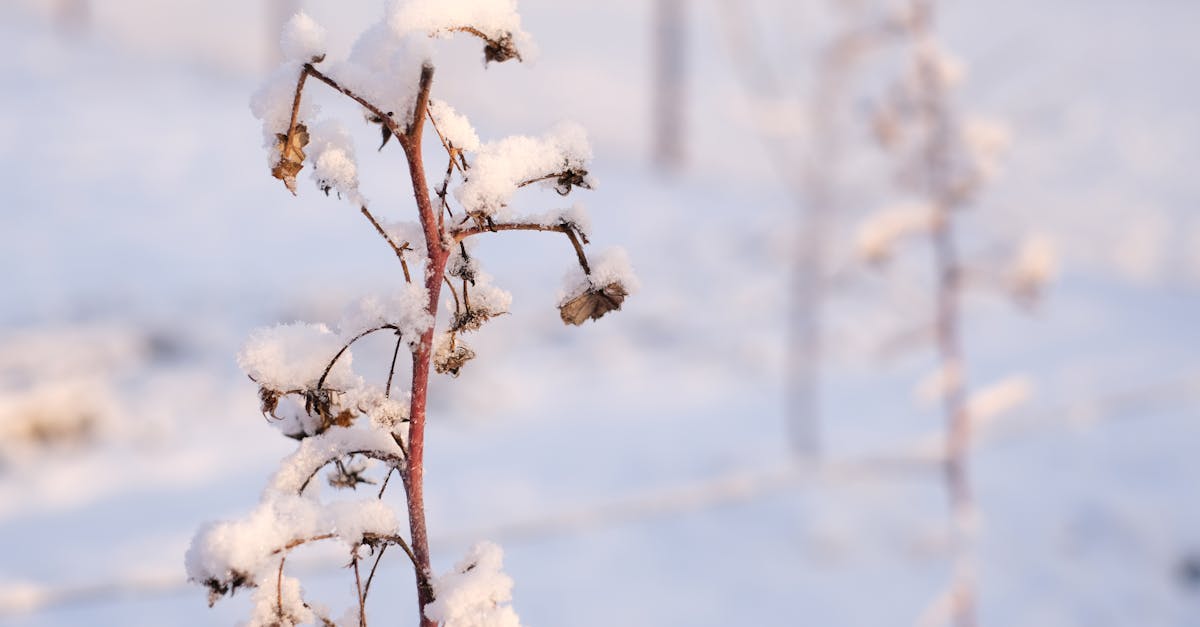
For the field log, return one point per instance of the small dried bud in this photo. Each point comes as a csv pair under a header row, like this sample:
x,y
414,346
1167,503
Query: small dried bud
x,y
593,303
291,156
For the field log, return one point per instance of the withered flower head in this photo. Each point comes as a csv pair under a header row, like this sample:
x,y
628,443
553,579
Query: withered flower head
x,y
473,318
269,400
218,589
593,303
569,179
451,356
291,156
501,50
348,475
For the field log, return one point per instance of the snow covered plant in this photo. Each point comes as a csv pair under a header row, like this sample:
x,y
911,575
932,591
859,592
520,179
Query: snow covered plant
x,y
366,433
943,161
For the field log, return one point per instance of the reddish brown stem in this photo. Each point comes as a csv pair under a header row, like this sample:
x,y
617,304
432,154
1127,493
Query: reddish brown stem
x,y
414,473
384,118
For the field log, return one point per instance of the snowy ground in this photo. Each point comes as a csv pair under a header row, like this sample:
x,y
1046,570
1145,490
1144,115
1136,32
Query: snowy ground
x,y
635,469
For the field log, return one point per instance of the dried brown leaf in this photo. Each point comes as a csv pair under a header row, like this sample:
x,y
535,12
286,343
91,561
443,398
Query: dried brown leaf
x,y
291,156
593,303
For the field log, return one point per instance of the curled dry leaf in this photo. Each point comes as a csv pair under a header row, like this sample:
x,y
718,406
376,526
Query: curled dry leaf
x,y
593,303
291,156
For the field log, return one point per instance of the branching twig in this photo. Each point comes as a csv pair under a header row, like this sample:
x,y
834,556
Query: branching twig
x,y
397,248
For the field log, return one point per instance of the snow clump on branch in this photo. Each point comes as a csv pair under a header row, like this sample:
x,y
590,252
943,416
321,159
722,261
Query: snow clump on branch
x,y
476,593
560,158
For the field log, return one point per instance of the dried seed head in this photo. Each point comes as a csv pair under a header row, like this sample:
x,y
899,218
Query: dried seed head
x,y
593,303
269,400
348,474
569,179
473,318
451,355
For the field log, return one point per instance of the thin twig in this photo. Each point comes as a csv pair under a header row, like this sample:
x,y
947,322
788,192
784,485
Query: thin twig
x,y
382,456
583,262
362,600
451,149
387,391
397,248
384,118
279,587
457,303
371,575
491,42
462,234
332,362
386,479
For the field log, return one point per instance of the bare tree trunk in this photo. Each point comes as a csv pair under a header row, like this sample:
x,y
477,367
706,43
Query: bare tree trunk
x,y
670,70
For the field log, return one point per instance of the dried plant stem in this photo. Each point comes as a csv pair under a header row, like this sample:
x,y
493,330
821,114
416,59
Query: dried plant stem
x,y
570,232
438,254
371,575
948,320
345,347
362,602
387,390
384,118
397,248
279,588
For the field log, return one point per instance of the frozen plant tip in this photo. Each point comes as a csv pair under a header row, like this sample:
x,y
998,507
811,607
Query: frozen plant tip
x,y
364,432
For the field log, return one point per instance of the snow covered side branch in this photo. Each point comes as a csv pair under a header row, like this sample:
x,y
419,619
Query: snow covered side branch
x,y
361,430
